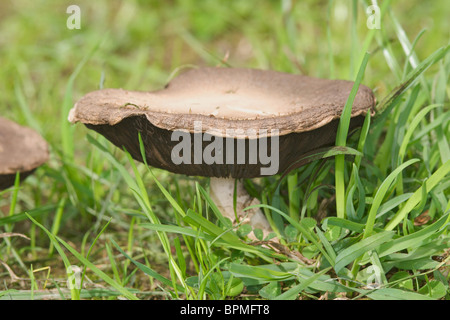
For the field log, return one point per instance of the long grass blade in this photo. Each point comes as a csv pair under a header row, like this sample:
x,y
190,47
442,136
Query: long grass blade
x,y
341,139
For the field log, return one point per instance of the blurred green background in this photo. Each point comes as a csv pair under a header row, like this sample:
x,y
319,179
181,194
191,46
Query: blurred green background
x,y
140,43
45,67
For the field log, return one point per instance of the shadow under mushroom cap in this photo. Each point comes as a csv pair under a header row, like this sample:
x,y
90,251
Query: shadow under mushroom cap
x,y
304,111
21,150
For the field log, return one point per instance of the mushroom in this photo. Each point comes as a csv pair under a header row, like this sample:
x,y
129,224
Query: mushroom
x,y
21,150
226,124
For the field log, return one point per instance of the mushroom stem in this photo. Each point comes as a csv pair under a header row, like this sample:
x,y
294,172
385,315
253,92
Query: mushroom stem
x,y
222,193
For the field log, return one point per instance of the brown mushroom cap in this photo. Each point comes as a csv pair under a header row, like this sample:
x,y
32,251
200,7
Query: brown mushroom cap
x,y
21,150
304,110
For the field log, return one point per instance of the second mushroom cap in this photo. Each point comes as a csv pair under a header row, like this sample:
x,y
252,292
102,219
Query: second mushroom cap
x,y
21,150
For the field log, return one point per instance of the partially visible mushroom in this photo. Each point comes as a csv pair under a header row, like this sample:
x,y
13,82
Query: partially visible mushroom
x,y
210,117
21,150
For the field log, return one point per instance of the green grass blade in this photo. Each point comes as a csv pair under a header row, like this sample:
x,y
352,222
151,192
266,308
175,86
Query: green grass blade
x,y
319,154
304,231
212,205
67,130
431,182
263,273
380,195
74,292
126,293
383,108
35,213
293,292
412,128
413,240
356,250
180,230
145,269
396,294
56,241
341,140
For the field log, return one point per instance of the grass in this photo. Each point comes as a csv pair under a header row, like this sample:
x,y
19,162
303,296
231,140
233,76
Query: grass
x,y
367,219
